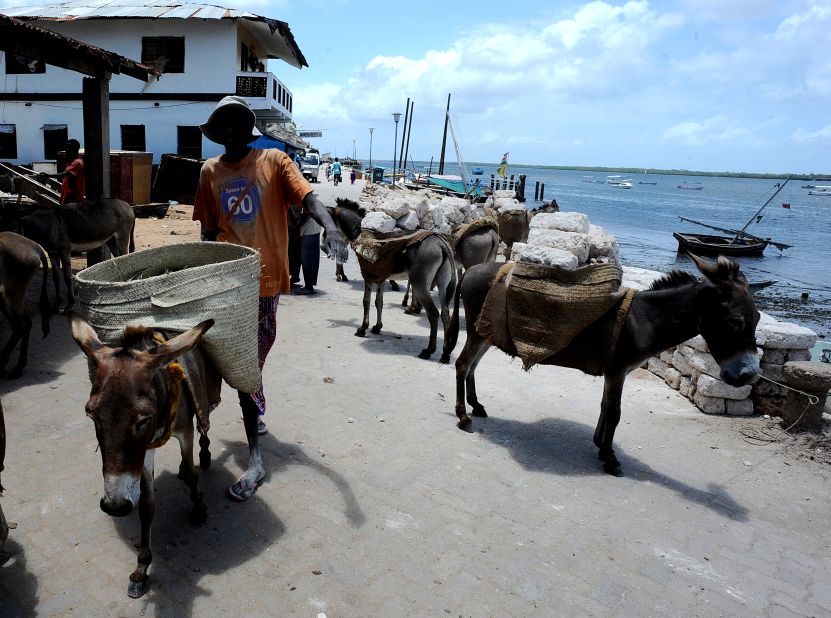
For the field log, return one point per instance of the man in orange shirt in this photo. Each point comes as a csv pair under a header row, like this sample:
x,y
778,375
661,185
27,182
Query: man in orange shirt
x,y
243,197
73,187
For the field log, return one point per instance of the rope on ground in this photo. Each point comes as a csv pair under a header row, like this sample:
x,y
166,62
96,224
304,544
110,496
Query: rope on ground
x,y
772,433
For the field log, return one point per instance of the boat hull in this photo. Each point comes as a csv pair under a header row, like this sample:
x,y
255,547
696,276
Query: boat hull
x,y
706,244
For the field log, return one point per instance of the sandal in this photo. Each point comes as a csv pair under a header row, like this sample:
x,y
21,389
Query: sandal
x,y
240,493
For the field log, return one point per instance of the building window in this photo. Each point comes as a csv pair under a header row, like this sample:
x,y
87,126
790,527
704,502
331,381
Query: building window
x,y
54,140
189,142
132,137
8,141
289,104
166,53
18,64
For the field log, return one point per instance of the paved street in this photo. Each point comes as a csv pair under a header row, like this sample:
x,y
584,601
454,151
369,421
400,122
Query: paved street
x,y
376,505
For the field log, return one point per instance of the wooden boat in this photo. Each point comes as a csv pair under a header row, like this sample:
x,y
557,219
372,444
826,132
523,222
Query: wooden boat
x,y
708,244
738,243
821,190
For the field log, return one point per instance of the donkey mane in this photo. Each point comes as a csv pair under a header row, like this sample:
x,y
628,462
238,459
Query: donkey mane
x,y
352,205
135,337
674,279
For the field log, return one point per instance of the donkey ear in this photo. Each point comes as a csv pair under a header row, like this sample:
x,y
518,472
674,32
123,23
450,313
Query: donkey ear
x,y
84,335
180,344
705,266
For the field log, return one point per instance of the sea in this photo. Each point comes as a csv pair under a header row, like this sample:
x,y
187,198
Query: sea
x,y
644,217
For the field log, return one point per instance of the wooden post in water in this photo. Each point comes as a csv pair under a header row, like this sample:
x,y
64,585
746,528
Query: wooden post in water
x,y
520,188
492,181
537,191
542,192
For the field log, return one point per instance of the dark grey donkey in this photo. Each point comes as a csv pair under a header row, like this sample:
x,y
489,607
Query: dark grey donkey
x,y
77,227
424,262
20,259
674,309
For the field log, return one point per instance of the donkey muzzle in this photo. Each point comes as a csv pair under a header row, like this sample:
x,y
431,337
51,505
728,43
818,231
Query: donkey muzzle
x,y
121,494
740,369
118,509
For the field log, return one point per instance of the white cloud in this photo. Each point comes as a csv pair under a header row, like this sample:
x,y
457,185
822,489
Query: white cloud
x,y
718,130
804,136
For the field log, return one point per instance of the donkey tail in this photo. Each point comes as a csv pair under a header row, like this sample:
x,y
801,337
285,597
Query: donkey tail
x,y
132,246
45,309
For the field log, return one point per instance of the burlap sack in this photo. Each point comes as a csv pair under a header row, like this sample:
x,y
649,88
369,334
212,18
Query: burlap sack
x,y
377,253
513,226
176,287
539,310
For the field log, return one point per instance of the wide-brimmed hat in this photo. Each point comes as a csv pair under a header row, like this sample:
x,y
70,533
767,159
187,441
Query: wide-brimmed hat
x,y
211,130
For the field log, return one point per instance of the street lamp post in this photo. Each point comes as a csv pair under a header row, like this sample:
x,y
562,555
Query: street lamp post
x,y
370,152
396,116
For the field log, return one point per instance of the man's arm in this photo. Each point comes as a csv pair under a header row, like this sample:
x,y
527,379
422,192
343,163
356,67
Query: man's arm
x,y
335,245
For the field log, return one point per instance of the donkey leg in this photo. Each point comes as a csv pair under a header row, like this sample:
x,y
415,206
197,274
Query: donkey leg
x,y
25,324
394,286
204,451
609,419
16,329
472,352
66,266
379,307
188,474
421,292
447,289
406,300
361,332
147,509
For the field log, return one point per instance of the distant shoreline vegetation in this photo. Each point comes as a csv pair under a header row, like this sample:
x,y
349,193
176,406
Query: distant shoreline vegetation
x,y
647,170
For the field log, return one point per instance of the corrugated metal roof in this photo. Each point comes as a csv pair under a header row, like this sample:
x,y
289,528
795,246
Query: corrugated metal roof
x,y
284,46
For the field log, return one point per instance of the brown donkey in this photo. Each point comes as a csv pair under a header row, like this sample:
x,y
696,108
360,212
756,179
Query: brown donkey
x,y
137,402
20,259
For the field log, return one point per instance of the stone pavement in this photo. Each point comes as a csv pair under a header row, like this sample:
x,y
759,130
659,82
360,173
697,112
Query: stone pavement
x,y
376,505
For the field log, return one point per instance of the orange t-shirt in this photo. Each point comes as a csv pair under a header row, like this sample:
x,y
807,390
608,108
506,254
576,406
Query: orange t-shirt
x,y
247,203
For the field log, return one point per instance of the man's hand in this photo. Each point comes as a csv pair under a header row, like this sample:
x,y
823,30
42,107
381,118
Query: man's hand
x,y
335,247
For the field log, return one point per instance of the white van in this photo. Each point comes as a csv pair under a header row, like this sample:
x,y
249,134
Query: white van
x,y
311,165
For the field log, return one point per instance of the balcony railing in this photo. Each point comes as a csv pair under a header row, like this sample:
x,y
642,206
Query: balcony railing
x,y
267,95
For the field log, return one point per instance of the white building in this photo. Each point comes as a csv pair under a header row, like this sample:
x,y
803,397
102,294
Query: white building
x,y
205,52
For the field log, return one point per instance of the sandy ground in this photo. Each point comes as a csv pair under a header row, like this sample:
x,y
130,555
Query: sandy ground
x,y
376,505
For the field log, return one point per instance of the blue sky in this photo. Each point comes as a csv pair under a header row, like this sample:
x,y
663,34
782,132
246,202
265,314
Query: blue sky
x,y
735,85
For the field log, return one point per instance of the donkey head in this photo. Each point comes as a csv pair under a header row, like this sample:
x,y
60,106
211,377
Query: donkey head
x,y
123,402
347,216
727,319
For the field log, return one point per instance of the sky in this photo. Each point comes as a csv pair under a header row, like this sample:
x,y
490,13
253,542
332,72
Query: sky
x,y
712,85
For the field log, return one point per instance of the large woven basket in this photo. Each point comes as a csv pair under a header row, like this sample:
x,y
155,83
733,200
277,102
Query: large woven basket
x,y
176,287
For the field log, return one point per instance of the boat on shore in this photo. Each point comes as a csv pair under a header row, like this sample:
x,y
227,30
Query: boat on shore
x,y
821,190
738,243
710,244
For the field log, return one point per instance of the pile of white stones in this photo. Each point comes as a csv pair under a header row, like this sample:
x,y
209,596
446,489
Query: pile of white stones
x,y
566,240
389,210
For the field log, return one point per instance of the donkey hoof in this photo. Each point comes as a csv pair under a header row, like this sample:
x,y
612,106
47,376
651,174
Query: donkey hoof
x,y
479,410
425,353
464,422
394,286
137,589
15,373
445,359
375,330
361,332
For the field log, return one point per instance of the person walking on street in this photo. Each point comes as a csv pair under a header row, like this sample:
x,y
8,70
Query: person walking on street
x,y
352,176
73,186
243,197
336,171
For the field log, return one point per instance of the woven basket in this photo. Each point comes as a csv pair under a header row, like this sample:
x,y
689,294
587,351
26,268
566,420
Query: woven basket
x,y
176,287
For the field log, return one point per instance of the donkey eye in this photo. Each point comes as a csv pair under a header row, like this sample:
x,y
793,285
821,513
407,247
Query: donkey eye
x,y
143,424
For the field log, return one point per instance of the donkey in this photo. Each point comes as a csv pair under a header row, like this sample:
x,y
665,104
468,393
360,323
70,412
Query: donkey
x,y
20,259
136,405
79,227
674,309
424,262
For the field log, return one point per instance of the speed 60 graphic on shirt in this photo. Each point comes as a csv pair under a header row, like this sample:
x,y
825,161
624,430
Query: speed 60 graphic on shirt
x,y
240,199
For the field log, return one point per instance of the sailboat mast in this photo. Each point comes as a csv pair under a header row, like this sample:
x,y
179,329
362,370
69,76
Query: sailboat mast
x,y
770,199
409,130
401,160
462,168
444,136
